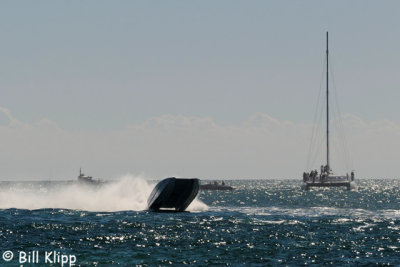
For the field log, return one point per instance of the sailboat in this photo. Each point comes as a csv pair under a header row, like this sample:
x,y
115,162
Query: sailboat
x,y
326,178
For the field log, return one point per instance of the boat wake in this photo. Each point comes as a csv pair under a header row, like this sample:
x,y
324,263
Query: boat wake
x,y
312,212
128,193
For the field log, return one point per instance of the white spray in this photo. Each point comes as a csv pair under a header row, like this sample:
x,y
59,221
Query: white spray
x,y
128,193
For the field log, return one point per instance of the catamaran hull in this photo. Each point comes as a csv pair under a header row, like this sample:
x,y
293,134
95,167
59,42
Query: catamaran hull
x,y
173,194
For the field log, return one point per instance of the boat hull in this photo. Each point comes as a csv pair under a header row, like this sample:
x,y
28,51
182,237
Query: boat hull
x,y
89,181
328,181
174,194
215,187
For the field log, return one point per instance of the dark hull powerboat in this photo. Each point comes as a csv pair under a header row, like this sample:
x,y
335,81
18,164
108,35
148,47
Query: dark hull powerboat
x,y
174,194
215,187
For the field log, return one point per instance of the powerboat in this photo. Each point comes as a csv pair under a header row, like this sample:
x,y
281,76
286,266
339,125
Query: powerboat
x,y
86,179
173,194
215,186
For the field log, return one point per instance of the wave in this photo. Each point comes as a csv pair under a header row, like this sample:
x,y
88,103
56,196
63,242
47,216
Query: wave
x,y
311,212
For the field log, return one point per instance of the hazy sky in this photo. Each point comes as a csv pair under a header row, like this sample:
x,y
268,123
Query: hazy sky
x,y
192,88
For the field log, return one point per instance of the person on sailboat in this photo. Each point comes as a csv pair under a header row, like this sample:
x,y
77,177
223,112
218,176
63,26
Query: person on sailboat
x,y
327,169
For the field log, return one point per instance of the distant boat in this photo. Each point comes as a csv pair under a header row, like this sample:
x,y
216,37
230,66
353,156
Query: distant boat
x,y
326,178
215,186
173,194
86,179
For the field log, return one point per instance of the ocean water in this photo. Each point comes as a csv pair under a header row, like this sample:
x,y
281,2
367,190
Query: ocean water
x,y
261,223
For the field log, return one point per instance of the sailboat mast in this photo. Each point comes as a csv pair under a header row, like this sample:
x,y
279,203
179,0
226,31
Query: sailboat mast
x,y
327,103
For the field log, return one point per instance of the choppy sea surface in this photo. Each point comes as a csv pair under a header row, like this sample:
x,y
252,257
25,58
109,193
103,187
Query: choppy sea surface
x,y
261,223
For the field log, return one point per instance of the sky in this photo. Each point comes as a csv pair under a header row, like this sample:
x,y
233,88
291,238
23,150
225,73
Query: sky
x,y
208,89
